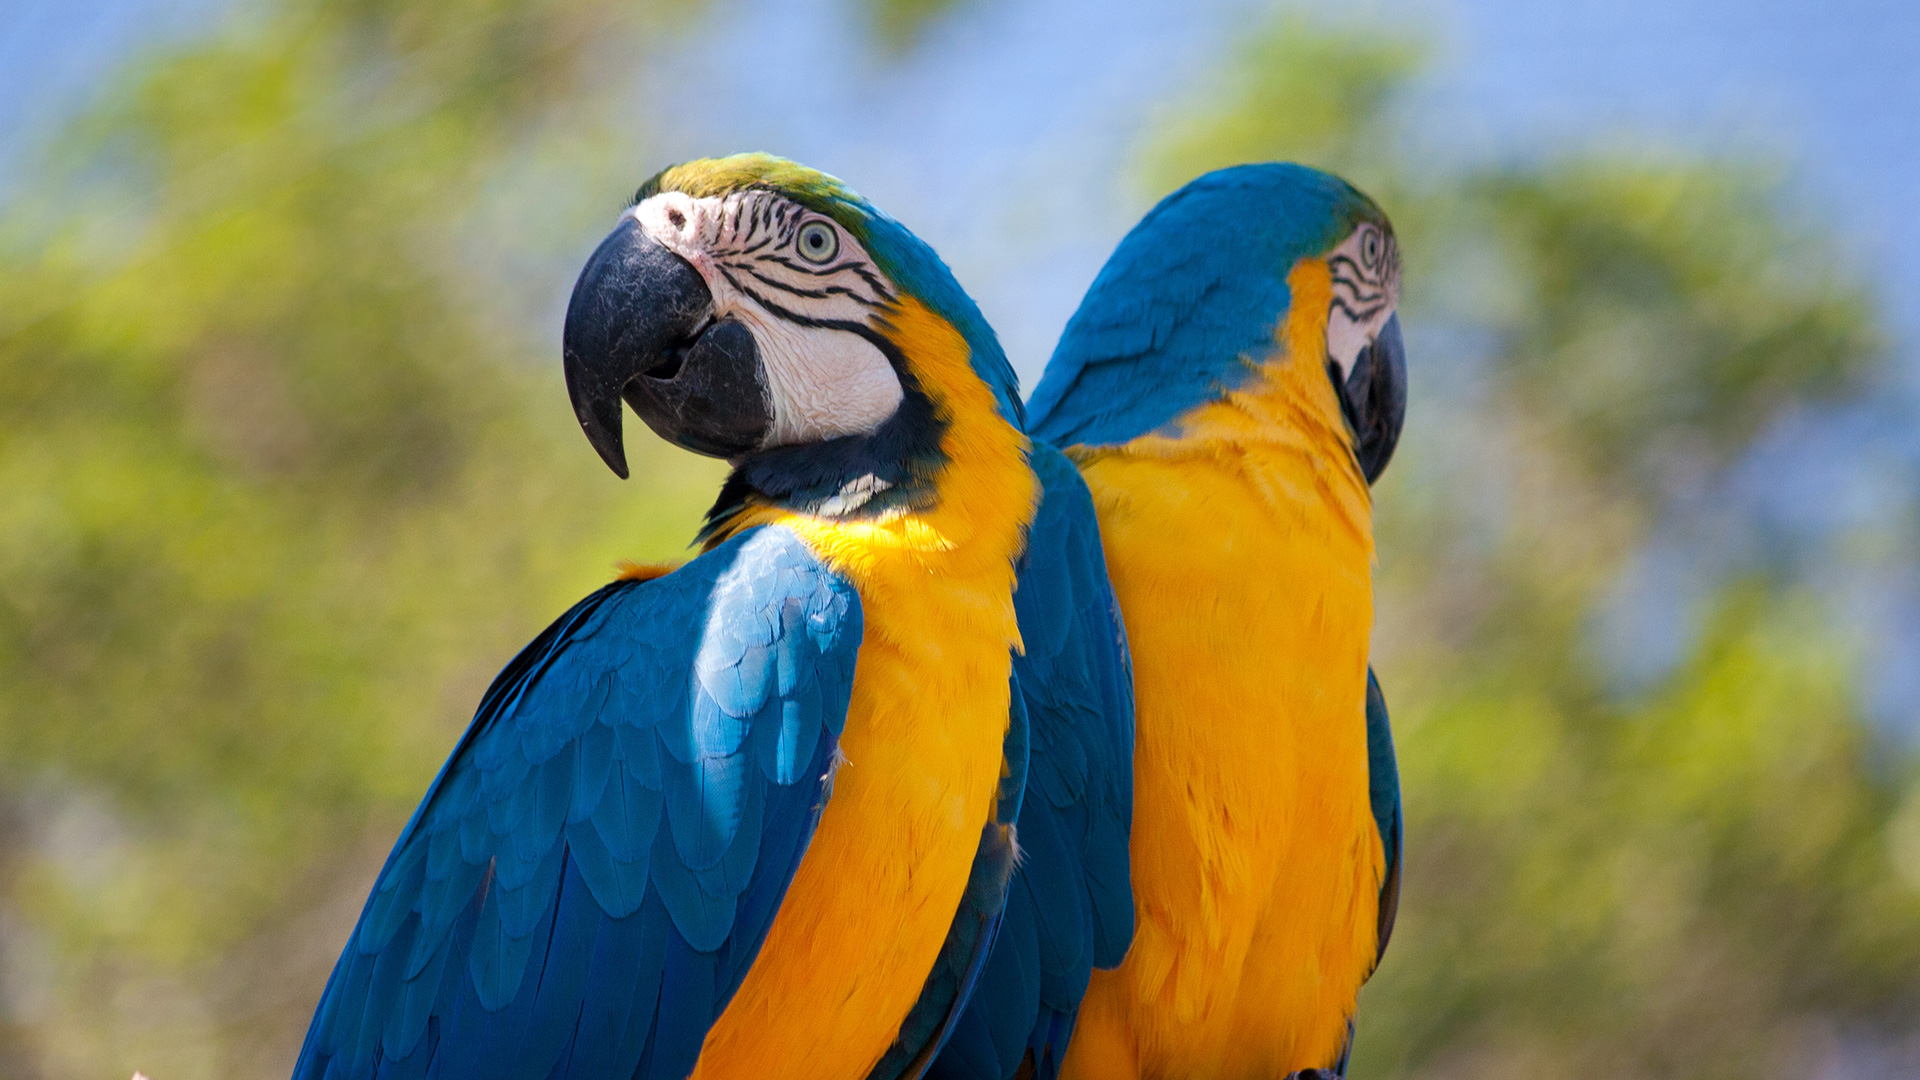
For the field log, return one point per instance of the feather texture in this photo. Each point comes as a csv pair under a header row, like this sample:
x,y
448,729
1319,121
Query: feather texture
x,y
1187,307
595,868
976,923
1192,388
1070,905
1383,790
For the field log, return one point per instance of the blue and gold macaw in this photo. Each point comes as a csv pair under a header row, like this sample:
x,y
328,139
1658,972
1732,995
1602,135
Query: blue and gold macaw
x,y
755,816
1230,387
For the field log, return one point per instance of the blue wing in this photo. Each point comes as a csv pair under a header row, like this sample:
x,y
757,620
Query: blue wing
x,y
1070,905
592,873
1383,789
1383,786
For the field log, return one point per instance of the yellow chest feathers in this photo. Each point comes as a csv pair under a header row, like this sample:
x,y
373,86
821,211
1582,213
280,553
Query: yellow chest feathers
x,y
872,900
1241,553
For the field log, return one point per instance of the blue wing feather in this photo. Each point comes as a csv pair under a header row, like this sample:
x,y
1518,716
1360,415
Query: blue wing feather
x,y
595,868
1383,787
1383,790
1070,904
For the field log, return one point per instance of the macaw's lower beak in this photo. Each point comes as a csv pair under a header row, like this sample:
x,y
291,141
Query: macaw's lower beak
x,y
641,328
1374,399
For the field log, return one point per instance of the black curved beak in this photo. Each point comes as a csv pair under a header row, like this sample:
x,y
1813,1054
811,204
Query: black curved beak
x,y
1374,399
641,328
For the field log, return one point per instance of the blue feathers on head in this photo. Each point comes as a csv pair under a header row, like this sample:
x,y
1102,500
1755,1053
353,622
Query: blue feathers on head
x,y
920,272
1190,300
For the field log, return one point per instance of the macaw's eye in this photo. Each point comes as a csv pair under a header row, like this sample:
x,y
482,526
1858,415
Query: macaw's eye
x,y
1370,249
818,242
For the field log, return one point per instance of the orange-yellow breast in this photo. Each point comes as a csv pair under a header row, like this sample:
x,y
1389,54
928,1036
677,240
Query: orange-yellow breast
x,y
873,898
1241,554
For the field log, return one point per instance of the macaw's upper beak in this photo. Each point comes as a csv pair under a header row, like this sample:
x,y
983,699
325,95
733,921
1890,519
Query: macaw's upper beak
x,y
641,328
1375,399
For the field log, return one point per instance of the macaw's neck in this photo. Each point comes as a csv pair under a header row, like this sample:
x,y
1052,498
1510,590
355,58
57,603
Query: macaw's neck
x,y
851,478
1282,429
943,486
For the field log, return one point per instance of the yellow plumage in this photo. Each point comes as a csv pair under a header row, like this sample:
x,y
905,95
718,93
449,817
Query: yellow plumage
x,y
874,896
1241,553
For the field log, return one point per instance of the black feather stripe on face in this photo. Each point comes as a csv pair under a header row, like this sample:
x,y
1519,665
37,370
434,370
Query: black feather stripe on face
x,y
756,248
1363,287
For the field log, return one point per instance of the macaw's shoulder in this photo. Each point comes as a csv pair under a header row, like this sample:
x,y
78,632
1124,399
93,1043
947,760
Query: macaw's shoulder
x,y
1070,905
595,868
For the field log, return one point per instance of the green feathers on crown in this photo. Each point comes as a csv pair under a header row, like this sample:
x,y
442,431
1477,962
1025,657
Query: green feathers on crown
x,y
712,178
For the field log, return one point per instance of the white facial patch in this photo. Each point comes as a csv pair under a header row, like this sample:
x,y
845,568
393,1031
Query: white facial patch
x,y
825,382
1366,289
824,376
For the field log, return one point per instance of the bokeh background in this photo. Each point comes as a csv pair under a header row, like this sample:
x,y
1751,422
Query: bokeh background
x,y
287,469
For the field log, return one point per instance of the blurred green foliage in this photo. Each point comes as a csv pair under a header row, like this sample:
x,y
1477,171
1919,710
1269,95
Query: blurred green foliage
x,y
1699,877
899,24
279,491
1300,85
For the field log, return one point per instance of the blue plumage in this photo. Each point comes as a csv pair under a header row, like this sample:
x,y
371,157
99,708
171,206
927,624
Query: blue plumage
x,y
1070,904
919,271
1173,319
1183,313
1383,788
588,880
1383,791
590,876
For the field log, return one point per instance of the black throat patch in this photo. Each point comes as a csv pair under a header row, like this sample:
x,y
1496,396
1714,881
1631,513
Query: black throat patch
x,y
895,467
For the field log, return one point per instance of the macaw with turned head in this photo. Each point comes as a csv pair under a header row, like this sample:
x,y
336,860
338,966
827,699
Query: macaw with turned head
x,y
756,816
1230,387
